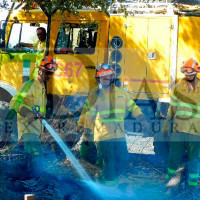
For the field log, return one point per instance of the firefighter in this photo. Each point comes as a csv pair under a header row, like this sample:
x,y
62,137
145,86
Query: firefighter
x,y
40,45
184,114
88,149
104,124
31,94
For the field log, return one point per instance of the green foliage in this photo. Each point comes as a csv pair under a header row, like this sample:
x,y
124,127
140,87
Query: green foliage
x,y
4,4
71,6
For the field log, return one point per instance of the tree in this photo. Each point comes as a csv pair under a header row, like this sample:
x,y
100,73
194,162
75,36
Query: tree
x,y
51,6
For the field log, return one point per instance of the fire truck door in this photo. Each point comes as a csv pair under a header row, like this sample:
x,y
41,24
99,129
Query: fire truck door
x,y
79,48
158,55
135,54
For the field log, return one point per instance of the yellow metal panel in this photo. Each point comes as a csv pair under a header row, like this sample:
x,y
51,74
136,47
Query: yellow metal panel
x,y
141,35
102,42
159,41
188,41
11,72
72,75
12,67
135,56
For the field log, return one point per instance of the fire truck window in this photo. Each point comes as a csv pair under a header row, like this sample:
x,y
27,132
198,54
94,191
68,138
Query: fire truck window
x,y
76,38
14,35
29,34
24,35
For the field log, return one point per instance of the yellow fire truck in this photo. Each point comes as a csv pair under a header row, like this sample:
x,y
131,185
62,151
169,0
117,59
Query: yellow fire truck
x,y
146,47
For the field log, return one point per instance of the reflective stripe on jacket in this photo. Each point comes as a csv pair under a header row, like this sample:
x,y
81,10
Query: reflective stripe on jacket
x,y
36,95
107,112
185,108
86,108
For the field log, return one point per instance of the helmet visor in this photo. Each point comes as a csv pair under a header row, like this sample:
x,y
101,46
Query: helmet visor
x,y
103,72
51,67
105,67
188,70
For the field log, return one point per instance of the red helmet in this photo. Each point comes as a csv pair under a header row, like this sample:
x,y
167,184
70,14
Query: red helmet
x,y
190,67
103,70
48,64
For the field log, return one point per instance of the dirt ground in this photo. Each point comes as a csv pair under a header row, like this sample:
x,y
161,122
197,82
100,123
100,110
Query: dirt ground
x,y
143,179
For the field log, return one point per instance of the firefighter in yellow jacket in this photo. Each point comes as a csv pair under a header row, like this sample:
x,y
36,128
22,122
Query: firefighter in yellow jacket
x,y
88,150
104,123
40,45
31,94
184,114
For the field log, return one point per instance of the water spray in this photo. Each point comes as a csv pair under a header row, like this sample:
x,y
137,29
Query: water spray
x,y
79,168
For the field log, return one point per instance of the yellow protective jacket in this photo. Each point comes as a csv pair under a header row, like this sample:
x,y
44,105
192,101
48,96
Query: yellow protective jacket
x,y
40,46
184,108
85,109
36,95
107,112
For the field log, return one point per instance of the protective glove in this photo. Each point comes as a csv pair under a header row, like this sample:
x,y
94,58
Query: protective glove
x,y
31,116
79,129
28,114
167,128
87,136
146,126
147,130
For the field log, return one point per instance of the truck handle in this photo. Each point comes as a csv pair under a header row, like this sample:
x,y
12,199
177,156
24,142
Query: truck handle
x,y
90,67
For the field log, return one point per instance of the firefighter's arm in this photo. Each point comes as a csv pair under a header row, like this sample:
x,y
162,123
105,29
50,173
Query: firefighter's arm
x,y
168,124
81,121
23,111
28,114
132,106
79,129
136,112
88,136
16,104
23,44
145,124
17,101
